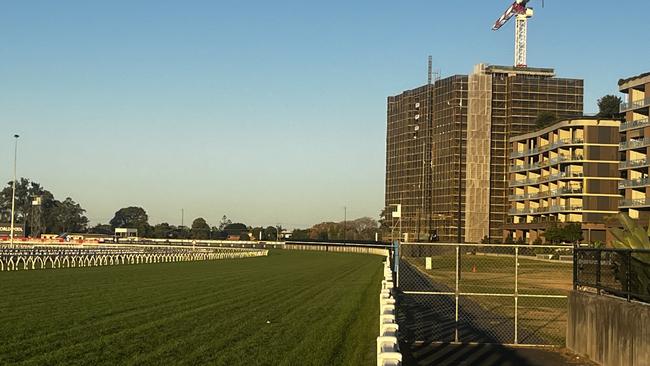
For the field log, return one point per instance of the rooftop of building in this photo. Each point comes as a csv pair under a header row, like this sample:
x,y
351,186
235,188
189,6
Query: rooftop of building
x,y
634,81
513,70
576,121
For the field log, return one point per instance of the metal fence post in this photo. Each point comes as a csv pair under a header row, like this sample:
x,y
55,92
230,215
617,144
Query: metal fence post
x,y
575,267
628,277
516,293
600,255
396,261
456,292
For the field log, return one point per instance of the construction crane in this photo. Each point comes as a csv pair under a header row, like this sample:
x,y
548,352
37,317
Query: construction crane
x,y
522,13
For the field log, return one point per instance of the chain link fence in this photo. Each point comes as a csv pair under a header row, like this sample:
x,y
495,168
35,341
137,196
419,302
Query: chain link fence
x,y
619,272
481,293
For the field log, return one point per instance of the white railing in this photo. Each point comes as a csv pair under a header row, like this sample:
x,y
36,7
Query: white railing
x,y
56,257
388,353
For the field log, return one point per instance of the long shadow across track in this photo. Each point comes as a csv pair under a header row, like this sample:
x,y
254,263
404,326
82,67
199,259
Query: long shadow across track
x,y
427,328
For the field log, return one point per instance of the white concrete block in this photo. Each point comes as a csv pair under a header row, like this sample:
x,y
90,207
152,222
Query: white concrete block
x,y
386,345
387,309
388,330
386,319
389,359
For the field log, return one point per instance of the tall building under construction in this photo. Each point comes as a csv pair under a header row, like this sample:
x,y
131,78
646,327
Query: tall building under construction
x,y
447,147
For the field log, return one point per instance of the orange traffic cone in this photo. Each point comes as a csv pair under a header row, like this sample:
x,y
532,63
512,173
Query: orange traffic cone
x,y
474,268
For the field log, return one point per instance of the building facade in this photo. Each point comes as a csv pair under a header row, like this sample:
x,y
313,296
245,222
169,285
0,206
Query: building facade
x,y
635,147
567,172
447,147
423,156
504,102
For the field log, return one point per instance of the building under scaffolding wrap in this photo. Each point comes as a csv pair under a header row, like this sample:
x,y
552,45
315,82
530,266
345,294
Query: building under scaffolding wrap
x,y
448,143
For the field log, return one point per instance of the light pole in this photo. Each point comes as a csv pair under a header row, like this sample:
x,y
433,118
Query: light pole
x,y
13,193
345,223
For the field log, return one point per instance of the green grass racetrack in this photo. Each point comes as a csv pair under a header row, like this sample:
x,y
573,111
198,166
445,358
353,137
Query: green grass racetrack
x,y
322,309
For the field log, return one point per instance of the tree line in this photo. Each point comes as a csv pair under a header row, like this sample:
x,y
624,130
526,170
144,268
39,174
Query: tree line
x,y
38,211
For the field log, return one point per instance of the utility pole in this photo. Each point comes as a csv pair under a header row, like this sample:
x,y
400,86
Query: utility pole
x,y
345,223
13,193
182,217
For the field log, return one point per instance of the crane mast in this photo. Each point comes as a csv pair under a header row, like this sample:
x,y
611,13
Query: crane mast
x,y
522,13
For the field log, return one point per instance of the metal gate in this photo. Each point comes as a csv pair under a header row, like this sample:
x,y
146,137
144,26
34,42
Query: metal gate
x,y
484,293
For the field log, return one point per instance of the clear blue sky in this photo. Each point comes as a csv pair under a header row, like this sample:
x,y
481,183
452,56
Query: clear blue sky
x,y
267,111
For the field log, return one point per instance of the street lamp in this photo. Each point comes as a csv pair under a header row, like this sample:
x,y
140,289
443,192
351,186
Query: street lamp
x,y
13,193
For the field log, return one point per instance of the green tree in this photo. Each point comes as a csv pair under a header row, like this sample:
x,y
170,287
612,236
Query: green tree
x,y
68,216
225,221
609,106
572,233
182,232
132,217
200,229
553,233
163,231
299,234
101,229
50,216
236,229
545,119
217,234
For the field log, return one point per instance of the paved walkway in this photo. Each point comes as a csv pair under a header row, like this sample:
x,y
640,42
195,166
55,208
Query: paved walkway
x,y
429,319
487,355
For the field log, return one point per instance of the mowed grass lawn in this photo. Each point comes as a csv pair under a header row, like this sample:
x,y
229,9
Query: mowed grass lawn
x,y
322,309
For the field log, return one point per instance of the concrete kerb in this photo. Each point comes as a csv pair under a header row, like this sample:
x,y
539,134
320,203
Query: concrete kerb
x,y
388,353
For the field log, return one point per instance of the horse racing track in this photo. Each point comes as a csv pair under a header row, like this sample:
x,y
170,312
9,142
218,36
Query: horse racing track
x,y
290,308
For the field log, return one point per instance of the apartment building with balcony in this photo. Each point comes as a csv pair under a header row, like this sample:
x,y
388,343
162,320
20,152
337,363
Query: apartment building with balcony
x,y
564,173
635,147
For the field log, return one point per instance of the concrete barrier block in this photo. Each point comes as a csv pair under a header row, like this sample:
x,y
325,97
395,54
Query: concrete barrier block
x,y
389,359
387,309
386,345
388,330
386,319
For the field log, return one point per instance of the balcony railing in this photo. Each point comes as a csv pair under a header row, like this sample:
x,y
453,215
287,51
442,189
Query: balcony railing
x,y
645,122
543,210
543,148
639,182
634,104
633,144
639,202
559,159
633,163
543,179
546,194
